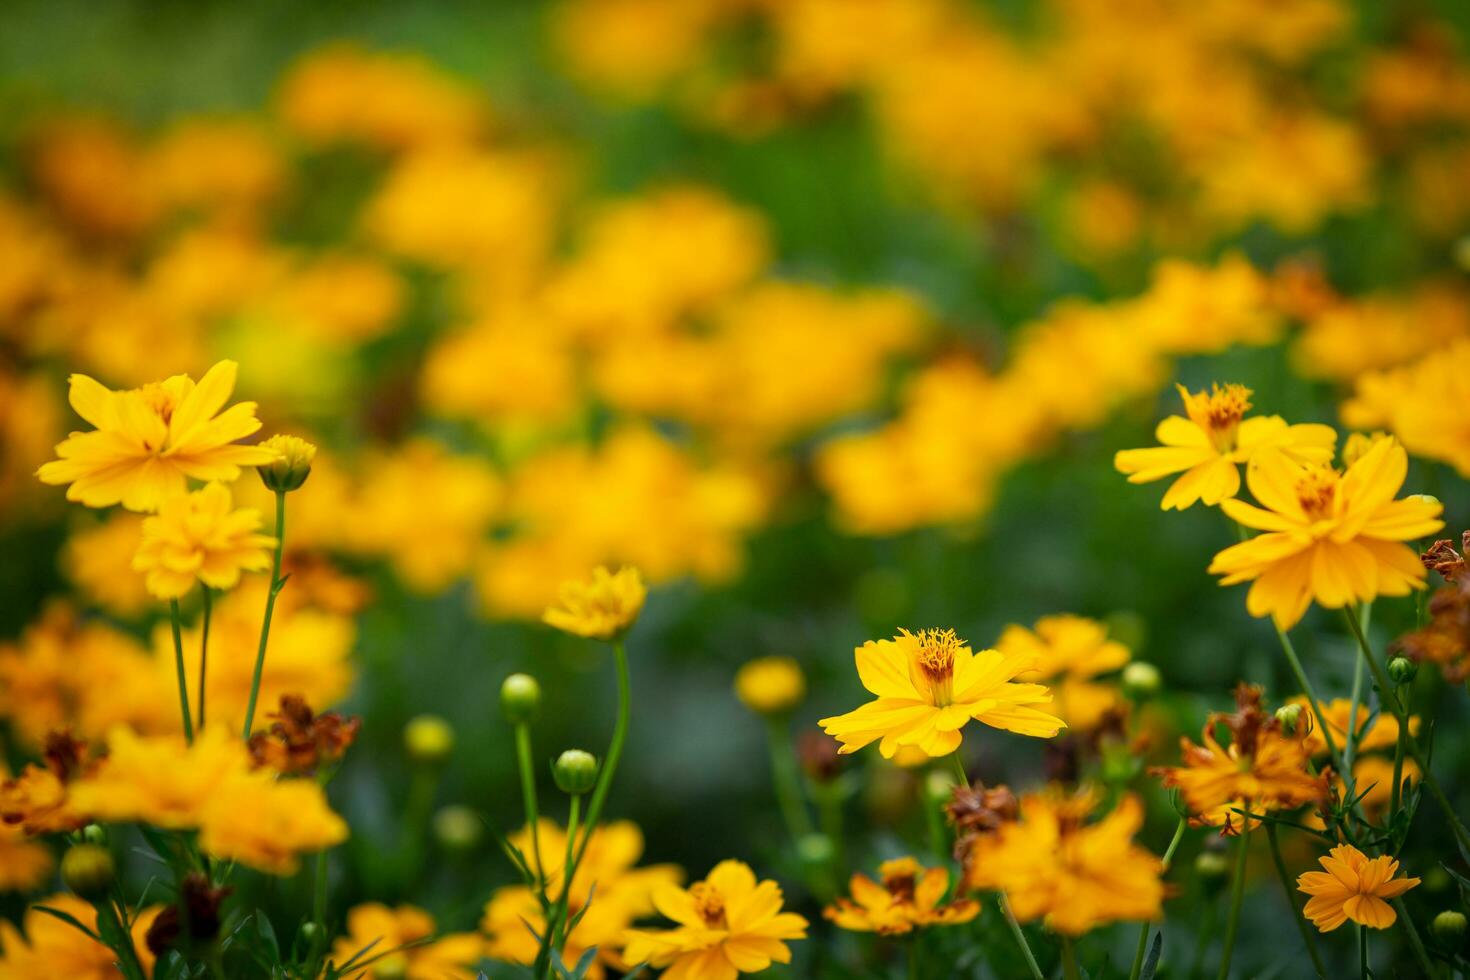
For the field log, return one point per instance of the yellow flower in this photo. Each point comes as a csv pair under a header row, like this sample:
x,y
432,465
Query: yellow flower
x,y
1353,887
148,442
908,898
450,957
1328,536
292,465
266,823
1383,733
770,685
98,559
24,864
200,537
51,948
929,685
727,924
1069,651
1052,865
1207,446
160,779
602,608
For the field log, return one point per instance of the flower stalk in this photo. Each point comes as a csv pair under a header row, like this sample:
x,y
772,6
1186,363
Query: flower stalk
x,y
1237,896
173,606
277,583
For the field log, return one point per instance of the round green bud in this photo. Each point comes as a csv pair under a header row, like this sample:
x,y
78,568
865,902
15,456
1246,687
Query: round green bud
x,y
815,850
575,772
520,698
1290,716
1402,670
1141,681
292,464
1212,868
429,739
939,785
309,932
458,828
88,870
1449,927
95,833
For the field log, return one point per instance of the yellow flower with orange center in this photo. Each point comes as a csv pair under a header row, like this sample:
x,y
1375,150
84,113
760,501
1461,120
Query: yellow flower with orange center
x,y
728,924
1331,537
148,442
907,896
201,537
601,608
1208,446
929,685
1354,887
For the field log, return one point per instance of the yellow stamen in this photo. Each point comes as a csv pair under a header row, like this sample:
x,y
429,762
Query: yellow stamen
x,y
710,905
1219,412
1316,491
932,668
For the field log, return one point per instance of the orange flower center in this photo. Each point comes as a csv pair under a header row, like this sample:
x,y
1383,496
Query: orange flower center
x,y
1316,490
158,399
933,664
710,905
900,886
1219,413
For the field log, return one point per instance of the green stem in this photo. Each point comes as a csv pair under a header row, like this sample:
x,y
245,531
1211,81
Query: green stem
x,y
1415,943
556,929
204,651
1390,698
829,810
1069,960
1308,939
788,787
173,606
1363,952
1015,927
270,608
1202,939
1301,679
1396,792
528,797
1143,931
914,955
614,750
110,927
961,777
1350,749
1237,894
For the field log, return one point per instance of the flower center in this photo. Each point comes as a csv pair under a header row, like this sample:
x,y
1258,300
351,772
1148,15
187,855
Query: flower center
x,y
933,664
710,905
1219,413
157,398
1316,490
899,878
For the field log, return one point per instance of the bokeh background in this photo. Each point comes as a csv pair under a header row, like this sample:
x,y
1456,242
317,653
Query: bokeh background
x,y
829,314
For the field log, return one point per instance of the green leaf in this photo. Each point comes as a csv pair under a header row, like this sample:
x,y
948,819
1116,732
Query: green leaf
x,y
69,919
1151,963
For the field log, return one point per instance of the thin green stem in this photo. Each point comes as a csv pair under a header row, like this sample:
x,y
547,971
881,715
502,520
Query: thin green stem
x,y
1396,791
1301,679
173,607
270,608
1202,939
1069,960
556,928
319,892
1350,748
204,651
1391,699
788,786
1415,943
1143,930
961,777
1237,895
528,797
915,955
614,749
1308,938
1363,952
829,810
1015,927
117,937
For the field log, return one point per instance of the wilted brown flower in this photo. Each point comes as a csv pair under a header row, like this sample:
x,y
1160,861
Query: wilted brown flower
x,y
819,757
198,910
299,742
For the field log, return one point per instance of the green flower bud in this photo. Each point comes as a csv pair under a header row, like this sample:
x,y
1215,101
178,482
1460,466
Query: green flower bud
x,y
815,850
1402,670
520,698
95,833
309,932
429,739
1290,716
88,870
1141,681
575,772
458,828
1212,868
1449,927
939,785
292,465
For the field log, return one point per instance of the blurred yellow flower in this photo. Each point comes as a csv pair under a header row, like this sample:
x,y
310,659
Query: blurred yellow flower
x,y
267,823
200,537
770,685
386,930
603,607
929,685
1383,733
148,442
1069,653
98,559
1216,437
160,779
1354,887
727,924
907,896
50,948
1332,537
25,865
1075,876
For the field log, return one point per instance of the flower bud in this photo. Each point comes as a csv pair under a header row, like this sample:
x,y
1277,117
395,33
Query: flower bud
x,y
95,833
1402,670
428,739
520,698
770,685
1449,927
88,870
309,933
292,464
815,850
1290,716
1141,681
575,772
939,785
1212,868
458,828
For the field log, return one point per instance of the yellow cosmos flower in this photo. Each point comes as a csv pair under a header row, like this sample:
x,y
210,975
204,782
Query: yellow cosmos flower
x,y
728,924
51,948
160,779
929,685
908,898
1329,536
1070,652
267,823
387,930
1383,733
200,537
1207,446
602,608
1075,876
1353,887
770,685
148,442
